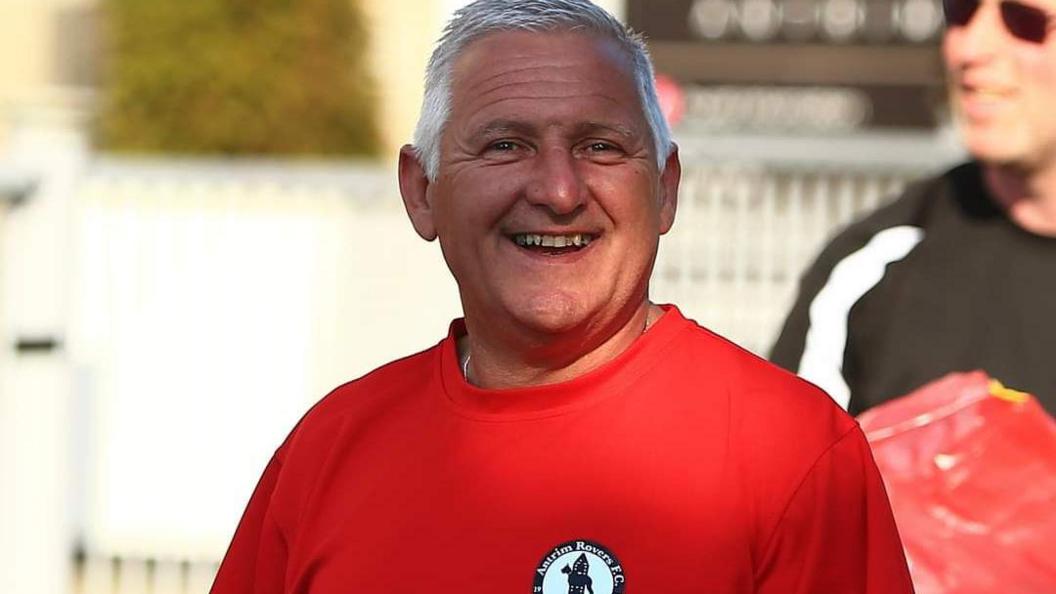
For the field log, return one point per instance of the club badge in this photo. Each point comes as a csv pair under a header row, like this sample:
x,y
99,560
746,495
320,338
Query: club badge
x,y
579,567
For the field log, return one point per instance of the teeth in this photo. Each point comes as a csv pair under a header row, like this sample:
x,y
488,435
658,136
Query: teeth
x,y
558,241
988,93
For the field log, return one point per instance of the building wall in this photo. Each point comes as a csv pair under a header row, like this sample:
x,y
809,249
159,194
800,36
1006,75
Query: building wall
x,y
25,57
45,49
402,35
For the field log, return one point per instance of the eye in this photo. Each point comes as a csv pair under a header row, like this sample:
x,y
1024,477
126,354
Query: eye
x,y
601,151
503,146
504,150
599,146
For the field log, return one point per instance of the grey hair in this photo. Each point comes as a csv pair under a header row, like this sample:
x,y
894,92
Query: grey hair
x,y
482,17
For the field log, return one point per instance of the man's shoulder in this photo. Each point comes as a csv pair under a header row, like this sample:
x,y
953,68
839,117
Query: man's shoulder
x,y
347,413
913,207
391,385
891,231
765,395
779,424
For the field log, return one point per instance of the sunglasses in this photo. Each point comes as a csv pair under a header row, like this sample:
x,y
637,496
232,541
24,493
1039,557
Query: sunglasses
x,y
1025,22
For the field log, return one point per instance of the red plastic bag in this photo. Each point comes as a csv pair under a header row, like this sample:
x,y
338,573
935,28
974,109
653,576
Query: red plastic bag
x,y
970,468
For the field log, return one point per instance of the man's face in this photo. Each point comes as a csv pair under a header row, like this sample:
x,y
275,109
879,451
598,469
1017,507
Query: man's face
x,y
1003,88
548,202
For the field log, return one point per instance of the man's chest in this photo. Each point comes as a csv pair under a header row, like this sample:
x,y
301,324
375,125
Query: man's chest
x,y
548,509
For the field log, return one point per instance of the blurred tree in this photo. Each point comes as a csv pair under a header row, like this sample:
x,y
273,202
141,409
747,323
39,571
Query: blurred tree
x,y
236,77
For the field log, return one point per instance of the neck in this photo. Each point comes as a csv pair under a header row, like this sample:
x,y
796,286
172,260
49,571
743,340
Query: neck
x,y
549,359
1028,196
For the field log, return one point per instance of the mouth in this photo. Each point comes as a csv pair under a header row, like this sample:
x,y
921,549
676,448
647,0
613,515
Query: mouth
x,y
980,103
553,245
985,93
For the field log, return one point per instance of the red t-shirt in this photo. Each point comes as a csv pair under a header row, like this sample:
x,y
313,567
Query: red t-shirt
x,y
686,464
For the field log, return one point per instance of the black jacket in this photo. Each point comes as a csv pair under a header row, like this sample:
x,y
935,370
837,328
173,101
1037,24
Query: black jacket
x,y
938,281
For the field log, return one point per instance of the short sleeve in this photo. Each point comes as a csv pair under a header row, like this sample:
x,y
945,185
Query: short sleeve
x,y
255,562
837,534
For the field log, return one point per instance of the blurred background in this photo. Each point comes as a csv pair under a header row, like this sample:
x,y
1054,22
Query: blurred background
x,y
201,232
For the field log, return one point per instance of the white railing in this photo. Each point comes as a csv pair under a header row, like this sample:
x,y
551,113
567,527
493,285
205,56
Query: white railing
x,y
98,574
213,304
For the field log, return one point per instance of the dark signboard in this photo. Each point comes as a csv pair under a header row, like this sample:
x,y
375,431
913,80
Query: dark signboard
x,y
881,54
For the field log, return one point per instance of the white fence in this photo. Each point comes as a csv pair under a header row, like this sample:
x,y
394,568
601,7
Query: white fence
x,y
212,303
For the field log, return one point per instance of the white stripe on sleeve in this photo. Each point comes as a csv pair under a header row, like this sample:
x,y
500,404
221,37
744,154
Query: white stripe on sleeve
x,y
852,277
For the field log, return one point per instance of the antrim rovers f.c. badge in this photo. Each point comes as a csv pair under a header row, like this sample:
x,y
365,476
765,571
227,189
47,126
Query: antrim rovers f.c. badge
x,y
579,567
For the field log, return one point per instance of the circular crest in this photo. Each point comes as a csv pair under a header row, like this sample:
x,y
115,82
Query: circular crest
x,y
579,567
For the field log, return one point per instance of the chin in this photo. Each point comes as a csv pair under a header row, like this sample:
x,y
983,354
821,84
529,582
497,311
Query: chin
x,y
551,314
995,147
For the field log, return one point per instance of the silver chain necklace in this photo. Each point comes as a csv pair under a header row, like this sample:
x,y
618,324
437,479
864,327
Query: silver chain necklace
x,y
465,366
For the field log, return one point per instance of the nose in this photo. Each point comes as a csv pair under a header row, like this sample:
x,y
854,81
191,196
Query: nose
x,y
556,183
978,40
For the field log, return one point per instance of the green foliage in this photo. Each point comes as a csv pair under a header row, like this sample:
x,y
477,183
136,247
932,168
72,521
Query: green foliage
x,y
236,77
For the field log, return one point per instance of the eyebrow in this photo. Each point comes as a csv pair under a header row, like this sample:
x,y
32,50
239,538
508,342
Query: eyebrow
x,y
500,127
592,127
505,126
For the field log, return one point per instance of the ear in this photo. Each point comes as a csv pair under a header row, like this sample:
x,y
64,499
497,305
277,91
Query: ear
x,y
414,187
669,180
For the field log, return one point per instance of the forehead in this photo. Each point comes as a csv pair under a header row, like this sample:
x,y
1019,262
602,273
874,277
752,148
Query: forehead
x,y
545,71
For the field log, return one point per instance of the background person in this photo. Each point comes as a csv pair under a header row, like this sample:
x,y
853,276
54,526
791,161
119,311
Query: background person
x,y
960,272
567,432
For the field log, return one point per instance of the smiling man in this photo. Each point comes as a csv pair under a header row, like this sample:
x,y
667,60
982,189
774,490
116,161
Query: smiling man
x,y
960,272
568,435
